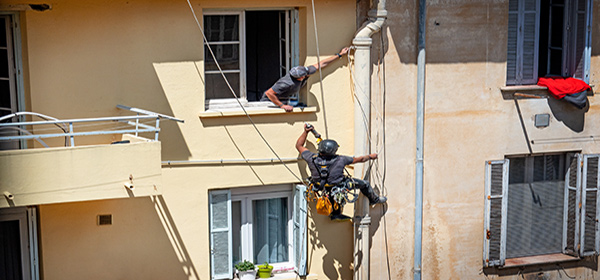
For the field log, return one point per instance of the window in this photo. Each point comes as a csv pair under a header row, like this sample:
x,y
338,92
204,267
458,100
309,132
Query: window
x,y
9,75
548,38
265,224
253,48
541,205
18,240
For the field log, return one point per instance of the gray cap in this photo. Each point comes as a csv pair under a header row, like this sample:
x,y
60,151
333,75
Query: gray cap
x,y
301,71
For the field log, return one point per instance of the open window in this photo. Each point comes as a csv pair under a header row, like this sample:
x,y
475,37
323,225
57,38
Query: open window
x,y
254,48
266,224
548,38
18,244
11,89
541,205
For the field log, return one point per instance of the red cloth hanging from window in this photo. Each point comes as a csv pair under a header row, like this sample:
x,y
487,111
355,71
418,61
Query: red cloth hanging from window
x,y
559,86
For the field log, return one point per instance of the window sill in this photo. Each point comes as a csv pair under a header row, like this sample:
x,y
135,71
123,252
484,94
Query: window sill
x,y
541,259
525,91
253,112
289,276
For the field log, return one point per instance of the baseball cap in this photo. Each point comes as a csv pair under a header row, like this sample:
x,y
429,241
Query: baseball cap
x,y
300,71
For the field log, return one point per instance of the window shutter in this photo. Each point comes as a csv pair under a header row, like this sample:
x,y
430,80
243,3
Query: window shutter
x,y
220,235
523,37
589,210
571,205
583,34
496,198
299,220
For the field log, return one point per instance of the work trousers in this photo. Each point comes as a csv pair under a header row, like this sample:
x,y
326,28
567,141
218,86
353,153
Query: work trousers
x,y
354,183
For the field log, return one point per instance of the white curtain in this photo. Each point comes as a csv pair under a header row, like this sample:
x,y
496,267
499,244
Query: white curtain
x,y
270,230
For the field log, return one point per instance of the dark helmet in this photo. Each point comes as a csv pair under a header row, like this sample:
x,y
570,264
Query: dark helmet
x,y
328,147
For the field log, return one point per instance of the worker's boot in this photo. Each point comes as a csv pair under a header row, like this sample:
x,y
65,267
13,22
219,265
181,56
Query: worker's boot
x,y
373,198
378,200
339,218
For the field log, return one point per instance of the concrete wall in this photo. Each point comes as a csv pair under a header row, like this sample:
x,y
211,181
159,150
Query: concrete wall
x,y
467,121
82,58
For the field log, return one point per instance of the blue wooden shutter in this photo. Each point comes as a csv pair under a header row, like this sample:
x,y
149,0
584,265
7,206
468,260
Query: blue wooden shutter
x,y
221,257
589,210
299,220
571,205
496,198
523,38
582,28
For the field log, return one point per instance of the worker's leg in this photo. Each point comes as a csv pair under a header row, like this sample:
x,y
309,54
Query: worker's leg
x,y
367,190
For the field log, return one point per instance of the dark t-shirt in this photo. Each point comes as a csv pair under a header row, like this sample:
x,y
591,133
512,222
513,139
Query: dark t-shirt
x,y
336,169
287,86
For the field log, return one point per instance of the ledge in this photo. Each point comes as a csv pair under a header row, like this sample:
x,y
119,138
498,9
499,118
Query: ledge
x,y
254,112
541,259
526,91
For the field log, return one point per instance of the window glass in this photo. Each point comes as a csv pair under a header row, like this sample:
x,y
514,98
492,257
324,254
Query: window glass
x,y
270,230
236,227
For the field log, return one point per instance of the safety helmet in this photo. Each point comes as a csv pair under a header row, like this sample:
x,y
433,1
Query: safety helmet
x,y
328,147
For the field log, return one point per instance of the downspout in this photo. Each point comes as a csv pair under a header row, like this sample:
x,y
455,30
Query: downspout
x,y
420,141
362,114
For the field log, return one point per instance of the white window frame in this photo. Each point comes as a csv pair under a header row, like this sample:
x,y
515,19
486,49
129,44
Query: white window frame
x,y
296,226
247,218
292,53
497,178
27,217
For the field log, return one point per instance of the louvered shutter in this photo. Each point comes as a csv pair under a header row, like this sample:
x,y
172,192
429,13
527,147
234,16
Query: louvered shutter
x,y
582,41
496,202
589,209
571,208
221,256
523,37
299,220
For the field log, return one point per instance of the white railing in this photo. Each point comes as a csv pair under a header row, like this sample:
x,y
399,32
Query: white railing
x,y
25,130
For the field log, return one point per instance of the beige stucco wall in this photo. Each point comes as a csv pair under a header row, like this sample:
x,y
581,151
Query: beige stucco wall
x,y
467,121
85,57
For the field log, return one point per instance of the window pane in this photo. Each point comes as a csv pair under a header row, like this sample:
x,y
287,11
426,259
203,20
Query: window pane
x,y
236,223
221,28
4,63
219,211
535,206
270,230
221,255
3,41
228,57
216,88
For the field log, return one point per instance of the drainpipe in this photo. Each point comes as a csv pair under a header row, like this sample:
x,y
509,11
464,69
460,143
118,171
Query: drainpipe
x,y
362,114
420,142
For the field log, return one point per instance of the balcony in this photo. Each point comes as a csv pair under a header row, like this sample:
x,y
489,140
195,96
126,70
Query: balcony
x,y
126,164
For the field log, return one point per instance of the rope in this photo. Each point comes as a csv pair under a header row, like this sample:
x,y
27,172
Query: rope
x,y
320,73
235,95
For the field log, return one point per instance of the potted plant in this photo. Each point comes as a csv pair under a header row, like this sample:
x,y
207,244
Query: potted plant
x,y
246,270
264,270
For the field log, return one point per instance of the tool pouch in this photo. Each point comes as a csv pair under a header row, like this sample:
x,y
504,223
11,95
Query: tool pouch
x,y
324,206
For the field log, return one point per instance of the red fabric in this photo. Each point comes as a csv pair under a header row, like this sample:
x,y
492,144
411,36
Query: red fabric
x,y
559,87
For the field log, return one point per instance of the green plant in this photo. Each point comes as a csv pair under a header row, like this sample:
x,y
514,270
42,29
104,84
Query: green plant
x,y
265,265
244,266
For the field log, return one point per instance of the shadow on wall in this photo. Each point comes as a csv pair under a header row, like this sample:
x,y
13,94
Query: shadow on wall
x,y
328,237
571,116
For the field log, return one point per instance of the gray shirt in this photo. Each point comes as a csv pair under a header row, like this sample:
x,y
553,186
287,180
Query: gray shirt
x,y
287,86
336,169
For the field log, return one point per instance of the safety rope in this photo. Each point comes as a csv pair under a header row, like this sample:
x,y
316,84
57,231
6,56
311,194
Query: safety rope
x,y
320,72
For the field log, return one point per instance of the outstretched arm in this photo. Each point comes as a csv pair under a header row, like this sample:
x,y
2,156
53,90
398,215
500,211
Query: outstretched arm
x,y
364,158
270,93
300,142
326,61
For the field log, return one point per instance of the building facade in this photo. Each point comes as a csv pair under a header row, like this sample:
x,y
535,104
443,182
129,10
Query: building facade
x,y
151,156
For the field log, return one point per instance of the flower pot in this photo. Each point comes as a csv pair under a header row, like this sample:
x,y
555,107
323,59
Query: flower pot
x,y
264,271
247,275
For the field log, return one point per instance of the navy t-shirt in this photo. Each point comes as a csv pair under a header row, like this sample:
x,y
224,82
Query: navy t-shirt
x,y
336,169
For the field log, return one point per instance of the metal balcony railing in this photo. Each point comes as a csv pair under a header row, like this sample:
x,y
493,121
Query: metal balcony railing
x,y
144,122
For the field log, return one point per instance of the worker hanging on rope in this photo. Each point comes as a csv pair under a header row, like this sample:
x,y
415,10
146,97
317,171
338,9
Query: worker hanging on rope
x,y
327,175
290,84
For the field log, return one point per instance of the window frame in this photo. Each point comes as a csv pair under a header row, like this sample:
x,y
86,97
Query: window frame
x,y
517,52
247,218
292,56
297,225
495,221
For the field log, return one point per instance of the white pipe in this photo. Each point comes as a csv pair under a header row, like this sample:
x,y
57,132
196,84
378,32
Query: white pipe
x,y
362,115
225,161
